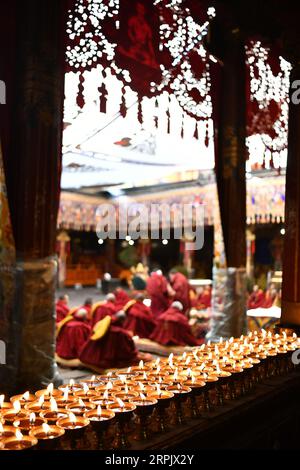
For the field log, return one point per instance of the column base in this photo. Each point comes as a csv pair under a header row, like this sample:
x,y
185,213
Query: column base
x,y
228,304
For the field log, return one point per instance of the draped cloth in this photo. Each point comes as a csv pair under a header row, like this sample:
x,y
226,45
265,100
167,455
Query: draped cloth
x,y
181,287
115,349
61,310
173,329
140,320
71,338
107,308
158,292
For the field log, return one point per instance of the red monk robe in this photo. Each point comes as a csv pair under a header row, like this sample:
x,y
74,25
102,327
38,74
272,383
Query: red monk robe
x,y
105,308
181,286
139,319
122,298
71,335
109,346
270,298
62,308
173,328
256,298
157,288
204,299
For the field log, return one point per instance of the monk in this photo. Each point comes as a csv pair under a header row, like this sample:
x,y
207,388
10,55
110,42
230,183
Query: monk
x,y
108,346
84,312
204,298
121,298
62,307
256,298
71,334
181,286
139,318
173,328
159,291
103,308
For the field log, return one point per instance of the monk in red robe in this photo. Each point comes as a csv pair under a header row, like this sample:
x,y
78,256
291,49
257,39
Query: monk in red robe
x,y
204,299
109,346
181,286
121,298
173,328
62,308
103,308
256,298
71,334
159,291
139,318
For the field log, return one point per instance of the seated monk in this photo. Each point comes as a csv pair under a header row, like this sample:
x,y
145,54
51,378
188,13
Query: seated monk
x,y
84,312
181,287
108,346
121,298
256,298
62,307
158,290
204,299
71,334
139,318
103,308
173,328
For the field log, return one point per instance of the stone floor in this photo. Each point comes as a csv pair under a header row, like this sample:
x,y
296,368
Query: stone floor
x,y
78,296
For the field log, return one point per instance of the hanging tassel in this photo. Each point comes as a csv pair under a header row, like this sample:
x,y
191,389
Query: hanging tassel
x,y
80,97
182,127
140,112
103,97
168,121
271,161
123,109
196,135
206,140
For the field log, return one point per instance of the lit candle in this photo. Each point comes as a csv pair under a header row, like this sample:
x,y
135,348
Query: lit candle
x,y
24,398
73,422
10,415
4,405
19,442
80,407
121,407
28,423
6,431
45,432
49,392
99,414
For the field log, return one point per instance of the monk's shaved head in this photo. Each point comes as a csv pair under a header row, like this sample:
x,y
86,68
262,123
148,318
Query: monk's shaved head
x,y
110,298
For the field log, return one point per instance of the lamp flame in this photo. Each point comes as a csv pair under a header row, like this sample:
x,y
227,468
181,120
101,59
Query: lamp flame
x,y
129,370
1,400
109,385
141,364
93,378
71,383
41,401
141,386
32,418
66,394
126,389
81,403
105,395
120,403
50,389
1,428
53,405
19,435
99,410
17,406
142,396
46,428
25,396
85,388
72,418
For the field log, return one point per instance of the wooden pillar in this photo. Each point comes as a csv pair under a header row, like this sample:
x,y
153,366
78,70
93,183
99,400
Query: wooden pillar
x,y
231,150
291,260
32,138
